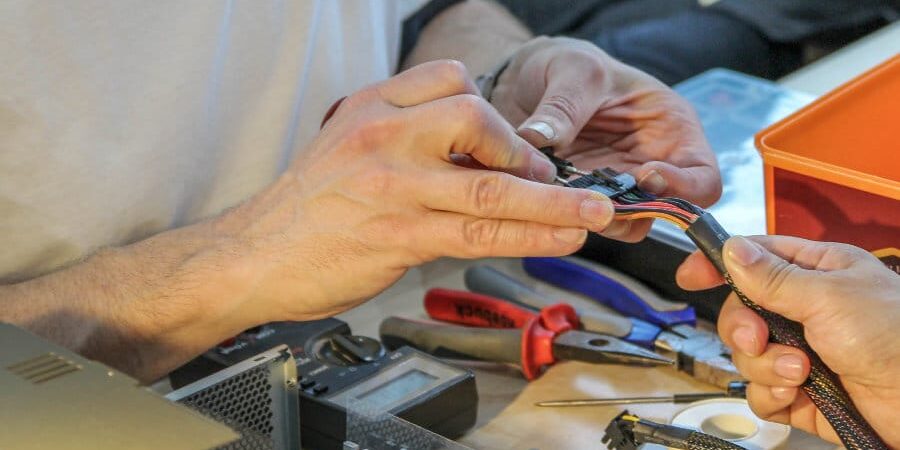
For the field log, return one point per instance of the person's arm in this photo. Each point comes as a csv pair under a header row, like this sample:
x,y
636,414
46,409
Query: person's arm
x,y
143,308
479,33
363,203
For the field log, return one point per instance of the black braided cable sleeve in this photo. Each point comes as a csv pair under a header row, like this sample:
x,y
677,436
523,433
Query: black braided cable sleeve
x,y
823,386
701,441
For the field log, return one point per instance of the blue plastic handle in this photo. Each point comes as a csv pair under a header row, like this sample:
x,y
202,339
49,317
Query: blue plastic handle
x,y
604,290
643,333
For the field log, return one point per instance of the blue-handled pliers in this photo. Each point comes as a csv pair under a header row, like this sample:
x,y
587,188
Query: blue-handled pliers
x,y
697,352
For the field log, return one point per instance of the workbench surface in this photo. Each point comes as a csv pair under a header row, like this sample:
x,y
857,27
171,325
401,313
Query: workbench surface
x,y
507,418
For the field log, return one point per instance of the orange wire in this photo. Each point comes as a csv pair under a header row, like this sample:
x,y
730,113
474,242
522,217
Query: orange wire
x,y
651,215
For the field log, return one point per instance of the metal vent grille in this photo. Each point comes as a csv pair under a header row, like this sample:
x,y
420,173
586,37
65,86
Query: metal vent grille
x,y
43,368
256,397
244,403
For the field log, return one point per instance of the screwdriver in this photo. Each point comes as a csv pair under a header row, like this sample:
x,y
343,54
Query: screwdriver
x,y
735,389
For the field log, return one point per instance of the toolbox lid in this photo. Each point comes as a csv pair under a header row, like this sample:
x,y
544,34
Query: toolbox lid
x,y
850,136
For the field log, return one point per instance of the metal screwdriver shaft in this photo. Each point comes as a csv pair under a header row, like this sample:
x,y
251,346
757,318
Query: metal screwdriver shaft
x,y
686,398
736,389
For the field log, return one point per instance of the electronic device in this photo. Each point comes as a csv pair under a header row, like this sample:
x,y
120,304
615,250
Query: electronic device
x,y
335,368
370,429
54,398
256,397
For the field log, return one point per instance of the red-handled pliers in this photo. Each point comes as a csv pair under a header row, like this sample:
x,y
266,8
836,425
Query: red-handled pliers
x,y
498,330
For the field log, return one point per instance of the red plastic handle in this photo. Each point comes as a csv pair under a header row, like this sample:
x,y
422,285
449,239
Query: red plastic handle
x,y
469,308
538,330
538,335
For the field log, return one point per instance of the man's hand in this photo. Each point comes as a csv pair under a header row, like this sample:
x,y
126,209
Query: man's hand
x,y
405,171
849,305
391,183
598,112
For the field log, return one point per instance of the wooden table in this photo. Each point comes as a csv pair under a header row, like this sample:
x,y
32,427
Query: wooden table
x,y
507,418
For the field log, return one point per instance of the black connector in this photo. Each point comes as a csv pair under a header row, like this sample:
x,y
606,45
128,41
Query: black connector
x,y
647,432
609,185
627,432
562,166
619,434
710,237
605,181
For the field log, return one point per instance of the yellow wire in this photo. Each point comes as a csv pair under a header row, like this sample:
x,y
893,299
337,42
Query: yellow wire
x,y
630,418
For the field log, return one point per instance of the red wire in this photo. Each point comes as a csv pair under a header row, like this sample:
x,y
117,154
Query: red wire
x,y
658,206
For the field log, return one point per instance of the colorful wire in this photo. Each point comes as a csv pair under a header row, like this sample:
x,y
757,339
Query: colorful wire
x,y
670,211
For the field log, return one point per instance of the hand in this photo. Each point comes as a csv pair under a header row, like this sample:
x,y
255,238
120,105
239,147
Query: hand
x,y
389,184
598,112
849,305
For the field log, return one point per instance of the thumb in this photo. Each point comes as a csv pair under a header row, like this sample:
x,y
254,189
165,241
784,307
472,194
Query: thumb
x,y
772,282
560,115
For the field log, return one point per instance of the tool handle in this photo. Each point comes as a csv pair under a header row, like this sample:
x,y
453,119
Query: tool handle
x,y
477,310
604,290
487,280
642,333
453,341
490,281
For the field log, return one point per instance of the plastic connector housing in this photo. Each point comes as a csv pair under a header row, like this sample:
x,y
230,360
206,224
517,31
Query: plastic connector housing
x,y
607,182
619,435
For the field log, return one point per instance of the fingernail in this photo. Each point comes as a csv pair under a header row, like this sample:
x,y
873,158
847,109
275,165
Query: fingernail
x,y
743,251
597,211
782,393
570,235
542,128
653,183
745,340
790,367
542,169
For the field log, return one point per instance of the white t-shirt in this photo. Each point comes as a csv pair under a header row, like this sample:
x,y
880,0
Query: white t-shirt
x,y
120,119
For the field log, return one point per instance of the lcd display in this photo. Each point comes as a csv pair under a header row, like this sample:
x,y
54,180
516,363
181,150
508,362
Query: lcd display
x,y
397,388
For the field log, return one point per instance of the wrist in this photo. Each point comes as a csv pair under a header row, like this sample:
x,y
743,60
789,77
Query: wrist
x,y
189,302
268,250
476,32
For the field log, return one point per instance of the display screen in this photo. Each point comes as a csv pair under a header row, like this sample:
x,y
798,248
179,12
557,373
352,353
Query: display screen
x,y
397,388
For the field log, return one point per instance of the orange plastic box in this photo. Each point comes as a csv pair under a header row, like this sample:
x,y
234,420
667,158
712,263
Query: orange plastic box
x,y
832,169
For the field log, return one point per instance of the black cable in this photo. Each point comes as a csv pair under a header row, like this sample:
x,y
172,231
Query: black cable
x,y
823,386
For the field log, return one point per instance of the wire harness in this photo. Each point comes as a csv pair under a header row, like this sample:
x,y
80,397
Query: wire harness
x,y
629,201
627,432
823,386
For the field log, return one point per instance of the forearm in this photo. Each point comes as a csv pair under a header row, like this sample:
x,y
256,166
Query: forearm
x,y
480,33
144,308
